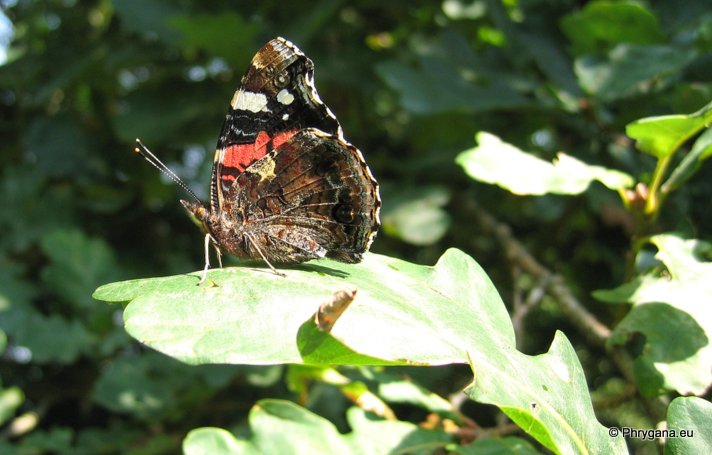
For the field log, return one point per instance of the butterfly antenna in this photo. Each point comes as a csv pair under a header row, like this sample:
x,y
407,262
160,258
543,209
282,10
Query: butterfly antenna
x,y
158,164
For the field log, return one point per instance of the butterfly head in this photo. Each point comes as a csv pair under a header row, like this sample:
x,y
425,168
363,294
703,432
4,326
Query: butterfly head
x,y
198,213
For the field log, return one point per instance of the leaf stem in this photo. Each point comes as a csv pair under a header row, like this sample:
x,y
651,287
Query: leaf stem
x,y
655,198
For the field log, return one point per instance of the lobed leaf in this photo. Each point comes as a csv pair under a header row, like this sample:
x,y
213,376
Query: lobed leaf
x,y
664,304
496,162
280,426
402,313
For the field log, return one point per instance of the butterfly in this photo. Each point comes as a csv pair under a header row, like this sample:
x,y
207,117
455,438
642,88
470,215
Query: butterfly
x,y
286,187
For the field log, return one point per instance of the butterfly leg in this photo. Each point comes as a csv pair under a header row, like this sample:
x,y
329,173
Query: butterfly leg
x,y
249,237
208,239
218,253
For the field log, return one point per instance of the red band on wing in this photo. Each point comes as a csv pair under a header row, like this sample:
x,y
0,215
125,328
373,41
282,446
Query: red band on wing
x,y
282,137
239,157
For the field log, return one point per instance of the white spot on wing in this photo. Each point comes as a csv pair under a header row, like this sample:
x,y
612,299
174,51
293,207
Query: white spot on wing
x,y
285,117
249,101
285,97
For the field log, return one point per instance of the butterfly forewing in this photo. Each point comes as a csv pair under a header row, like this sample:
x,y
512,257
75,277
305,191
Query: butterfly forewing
x,y
286,186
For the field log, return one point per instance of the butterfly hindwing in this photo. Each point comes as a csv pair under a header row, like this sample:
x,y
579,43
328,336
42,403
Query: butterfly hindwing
x,y
313,196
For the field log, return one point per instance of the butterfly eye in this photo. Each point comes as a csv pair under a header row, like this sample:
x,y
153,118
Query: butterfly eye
x,y
281,80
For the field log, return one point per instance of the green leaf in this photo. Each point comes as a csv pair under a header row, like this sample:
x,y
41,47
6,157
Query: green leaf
x,y
689,414
77,265
497,162
371,435
52,338
416,214
662,136
154,386
450,77
420,314
209,440
546,395
701,150
601,25
280,426
630,69
665,304
395,389
283,427
60,146
43,208
57,439
402,313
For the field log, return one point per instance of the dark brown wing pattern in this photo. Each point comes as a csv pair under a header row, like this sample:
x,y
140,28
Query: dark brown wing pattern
x,y
313,196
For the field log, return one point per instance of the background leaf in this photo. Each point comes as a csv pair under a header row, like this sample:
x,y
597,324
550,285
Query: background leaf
x,y
600,25
661,136
494,161
279,426
669,304
630,69
690,414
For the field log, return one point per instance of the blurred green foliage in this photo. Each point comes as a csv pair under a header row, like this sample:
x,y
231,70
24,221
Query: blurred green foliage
x,y
412,83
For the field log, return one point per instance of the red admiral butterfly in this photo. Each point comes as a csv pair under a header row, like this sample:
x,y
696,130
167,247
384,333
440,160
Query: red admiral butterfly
x,y
286,186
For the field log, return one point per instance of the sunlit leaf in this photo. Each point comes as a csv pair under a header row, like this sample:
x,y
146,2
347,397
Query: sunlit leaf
x,y
496,162
279,426
663,135
398,314
402,313
548,397
209,440
664,305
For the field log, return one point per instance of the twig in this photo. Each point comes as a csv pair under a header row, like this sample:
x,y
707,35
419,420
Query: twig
x,y
595,332
590,327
